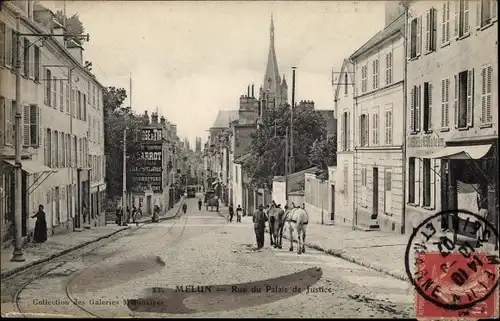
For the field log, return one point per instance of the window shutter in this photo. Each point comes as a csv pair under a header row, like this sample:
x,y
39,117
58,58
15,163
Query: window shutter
x,y
494,10
470,97
443,24
489,78
21,51
342,130
456,17
433,183
3,115
412,110
408,45
478,13
466,17
8,121
455,101
418,184
373,129
433,28
367,131
54,92
447,106
418,101
26,125
419,35
483,96
443,106
35,130
429,97
428,31
61,95
2,43
8,47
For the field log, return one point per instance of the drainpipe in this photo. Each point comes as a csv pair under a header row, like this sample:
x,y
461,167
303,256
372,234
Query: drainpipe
x,y
405,98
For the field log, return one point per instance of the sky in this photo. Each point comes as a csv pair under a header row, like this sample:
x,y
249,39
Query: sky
x,y
192,59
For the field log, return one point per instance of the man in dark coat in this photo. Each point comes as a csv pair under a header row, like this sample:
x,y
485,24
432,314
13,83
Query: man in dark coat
x,y
119,215
231,212
259,224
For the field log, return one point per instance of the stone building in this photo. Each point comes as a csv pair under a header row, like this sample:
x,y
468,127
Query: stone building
x,y
452,91
62,135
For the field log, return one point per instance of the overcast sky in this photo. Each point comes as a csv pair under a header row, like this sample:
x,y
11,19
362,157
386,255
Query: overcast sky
x,y
191,59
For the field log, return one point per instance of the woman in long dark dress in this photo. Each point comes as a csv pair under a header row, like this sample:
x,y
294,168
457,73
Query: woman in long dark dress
x,y
40,235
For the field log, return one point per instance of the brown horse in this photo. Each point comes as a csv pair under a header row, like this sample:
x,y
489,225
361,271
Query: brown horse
x,y
276,224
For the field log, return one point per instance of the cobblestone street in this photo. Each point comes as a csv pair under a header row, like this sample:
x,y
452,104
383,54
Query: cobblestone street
x,y
202,249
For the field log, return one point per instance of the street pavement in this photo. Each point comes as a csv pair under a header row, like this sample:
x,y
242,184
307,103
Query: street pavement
x,y
219,272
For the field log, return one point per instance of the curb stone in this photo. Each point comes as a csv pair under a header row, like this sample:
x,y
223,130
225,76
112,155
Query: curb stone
x,y
58,254
18,269
339,254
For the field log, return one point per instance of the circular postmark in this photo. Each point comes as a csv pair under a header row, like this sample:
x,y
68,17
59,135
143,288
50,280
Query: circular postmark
x,y
449,274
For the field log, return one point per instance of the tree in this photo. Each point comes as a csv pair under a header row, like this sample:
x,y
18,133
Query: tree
x,y
324,154
73,24
116,119
268,143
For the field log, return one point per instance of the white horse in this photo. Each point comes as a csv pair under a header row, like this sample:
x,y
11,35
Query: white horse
x,y
296,220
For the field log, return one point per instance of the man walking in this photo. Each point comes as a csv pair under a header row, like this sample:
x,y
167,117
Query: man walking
x,y
272,217
259,225
119,215
239,211
231,212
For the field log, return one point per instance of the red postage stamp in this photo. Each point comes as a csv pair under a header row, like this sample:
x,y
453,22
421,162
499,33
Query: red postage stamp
x,y
462,285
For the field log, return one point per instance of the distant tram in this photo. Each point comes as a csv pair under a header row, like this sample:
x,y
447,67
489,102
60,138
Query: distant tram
x,y
191,191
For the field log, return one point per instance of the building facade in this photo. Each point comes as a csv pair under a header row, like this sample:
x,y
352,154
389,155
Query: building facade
x,y
379,141
62,134
452,132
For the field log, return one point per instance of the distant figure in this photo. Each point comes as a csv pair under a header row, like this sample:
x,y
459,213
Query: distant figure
x,y
199,204
40,234
156,214
239,211
184,208
231,212
119,215
259,225
127,219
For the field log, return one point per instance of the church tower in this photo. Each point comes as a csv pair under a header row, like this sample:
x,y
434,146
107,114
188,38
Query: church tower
x,y
274,90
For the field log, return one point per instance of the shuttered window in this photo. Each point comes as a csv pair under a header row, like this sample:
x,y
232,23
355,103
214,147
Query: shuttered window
x,y
9,112
37,64
375,69
445,103
9,57
486,92
486,12
430,30
461,18
445,23
375,126
364,75
388,68
67,92
388,127
26,126
48,87
61,95
54,92
2,43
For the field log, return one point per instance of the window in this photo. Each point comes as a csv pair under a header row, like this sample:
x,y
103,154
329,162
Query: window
x,y
363,133
388,126
427,107
364,82
486,12
346,186
445,106
411,180
57,207
345,84
461,18
387,191
79,103
36,70
48,87
84,108
73,102
31,125
415,32
464,99
26,51
54,92
445,23
375,67
486,79
388,68
48,148
67,97
415,103
61,95
68,150
8,56
75,151
430,30
375,126
2,43
9,119
428,189
55,148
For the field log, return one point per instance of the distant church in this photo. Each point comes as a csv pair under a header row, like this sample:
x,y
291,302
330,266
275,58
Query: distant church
x,y
274,92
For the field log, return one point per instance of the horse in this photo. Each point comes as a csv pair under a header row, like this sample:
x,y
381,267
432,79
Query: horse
x,y
276,225
297,220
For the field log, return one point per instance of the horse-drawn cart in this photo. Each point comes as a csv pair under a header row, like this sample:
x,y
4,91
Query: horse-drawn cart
x,y
211,200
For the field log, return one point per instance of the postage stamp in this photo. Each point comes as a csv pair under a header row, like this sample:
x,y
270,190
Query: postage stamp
x,y
454,278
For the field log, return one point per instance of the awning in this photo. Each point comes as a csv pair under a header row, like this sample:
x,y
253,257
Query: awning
x,y
462,152
31,167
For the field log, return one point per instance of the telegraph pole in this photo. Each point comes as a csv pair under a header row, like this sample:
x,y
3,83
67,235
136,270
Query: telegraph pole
x,y
286,165
124,183
292,157
18,252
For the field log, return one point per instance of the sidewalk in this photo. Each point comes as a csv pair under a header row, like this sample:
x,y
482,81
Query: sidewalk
x,y
60,244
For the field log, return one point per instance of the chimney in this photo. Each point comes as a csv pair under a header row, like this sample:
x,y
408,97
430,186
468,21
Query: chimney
x,y
163,121
76,50
248,91
43,16
154,118
58,30
30,9
253,96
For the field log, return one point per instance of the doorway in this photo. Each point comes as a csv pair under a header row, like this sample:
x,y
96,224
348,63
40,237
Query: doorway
x,y
148,204
332,213
24,206
375,193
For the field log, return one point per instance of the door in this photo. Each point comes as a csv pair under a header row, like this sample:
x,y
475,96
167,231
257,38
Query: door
x,y
148,205
332,213
24,205
375,193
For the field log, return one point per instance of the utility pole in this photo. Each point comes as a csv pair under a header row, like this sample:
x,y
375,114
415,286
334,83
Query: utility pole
x,y
286,165
292,157
18,251
124,196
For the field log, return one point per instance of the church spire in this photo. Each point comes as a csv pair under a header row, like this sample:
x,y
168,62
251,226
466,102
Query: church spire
x,y
272,79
